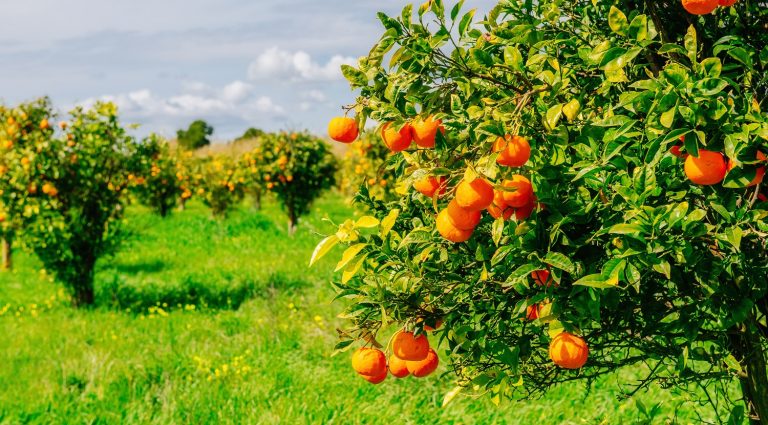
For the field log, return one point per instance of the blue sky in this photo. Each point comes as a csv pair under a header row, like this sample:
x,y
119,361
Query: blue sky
x,y
272,64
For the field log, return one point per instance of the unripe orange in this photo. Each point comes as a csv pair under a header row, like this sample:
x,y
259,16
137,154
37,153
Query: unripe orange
x,y
343,129
429,185
425,131
515,151
397,141
425,366
568,351
369,362
521,193
450,232
461,218
474,195
700,7
409,347
707,169
397,367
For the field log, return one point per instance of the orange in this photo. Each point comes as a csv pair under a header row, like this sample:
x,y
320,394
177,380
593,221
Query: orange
x,y
515,151
425,366
425,131
409,347
369,362
759,174
542,277
726,3
522,193
397,141
438,324
462,219
524,212
44,124
532,312
707,169
343,129
568,351
675,150
498,207
429,185
700,7
474,195
397,367
50,189
450,232
378,379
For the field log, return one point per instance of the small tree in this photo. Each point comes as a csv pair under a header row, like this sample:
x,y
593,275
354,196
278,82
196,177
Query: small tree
x,y
297,168
251,133
644,257
158,183
196,136
23,130
78,204
251,164
219,184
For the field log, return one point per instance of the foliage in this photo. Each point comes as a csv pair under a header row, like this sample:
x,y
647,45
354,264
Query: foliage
x,y
365,163
159,183
219,183
251,133
297,167
196,136
649,268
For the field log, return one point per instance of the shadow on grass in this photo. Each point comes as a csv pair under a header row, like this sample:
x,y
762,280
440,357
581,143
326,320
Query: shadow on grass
x,y
153,266
198,290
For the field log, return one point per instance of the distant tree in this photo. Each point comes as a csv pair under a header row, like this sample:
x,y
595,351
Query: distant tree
x,y
196,136
251,133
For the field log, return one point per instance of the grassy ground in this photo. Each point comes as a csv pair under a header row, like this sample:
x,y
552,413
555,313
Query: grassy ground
x,y
221,322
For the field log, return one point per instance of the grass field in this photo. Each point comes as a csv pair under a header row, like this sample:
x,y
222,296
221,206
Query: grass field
x,y
202,321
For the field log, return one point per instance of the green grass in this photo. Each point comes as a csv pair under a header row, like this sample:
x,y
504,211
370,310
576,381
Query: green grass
x,y
202,321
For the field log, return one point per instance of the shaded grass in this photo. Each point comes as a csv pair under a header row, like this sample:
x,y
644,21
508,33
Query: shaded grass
x,y
203,321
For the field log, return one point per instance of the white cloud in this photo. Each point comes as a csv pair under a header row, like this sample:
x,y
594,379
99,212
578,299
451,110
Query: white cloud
x,y
236,91
299,65
315,95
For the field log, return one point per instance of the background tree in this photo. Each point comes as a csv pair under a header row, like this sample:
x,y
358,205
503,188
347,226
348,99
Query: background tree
x,y
251,133
625,249
23,130
366,164
196,136
297,167
220,183
158,183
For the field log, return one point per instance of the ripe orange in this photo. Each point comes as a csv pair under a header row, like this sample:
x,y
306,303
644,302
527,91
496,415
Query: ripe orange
x,y
707,169
397,141
542,277
726,3
50,189
474,195
525,211
425,366
425,131
343,129
378,379
44,124
409,347
532,312
760,173
449,231
429,185
675,150
515,151
369,362
438,324
499,207
397,367
522,193
700,7
462,219
568,351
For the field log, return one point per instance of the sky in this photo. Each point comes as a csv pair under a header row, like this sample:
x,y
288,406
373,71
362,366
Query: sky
x,y
270,64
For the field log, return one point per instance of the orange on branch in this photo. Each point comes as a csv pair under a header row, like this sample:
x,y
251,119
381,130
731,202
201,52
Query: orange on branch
x,y
429,185
474,195
759,173
409,347
706,169
568,351
369,361
398,367
450,232
532,312
378,379
397,141
514,151
343,129
463,219
521,193
726,3
499,207
700,7
425,131
425,366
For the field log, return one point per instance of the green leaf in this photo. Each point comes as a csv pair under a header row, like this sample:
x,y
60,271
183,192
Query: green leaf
x,y
355,77
691,44
595,281
571,109
497,230
513,58
668,118
450,395
626,229
466,20
559,261
322,248
366,222
553,116
388,222
733,235
664,268
352,269
482,57
638,28
349,254
617,20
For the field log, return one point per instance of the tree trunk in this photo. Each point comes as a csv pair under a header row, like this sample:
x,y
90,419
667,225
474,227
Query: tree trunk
x,y
82,284
292,220
748,349
183,205
257,200
7,253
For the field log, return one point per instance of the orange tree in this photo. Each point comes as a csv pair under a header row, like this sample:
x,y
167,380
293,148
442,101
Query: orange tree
x,y
24,131
219,183
365,163
159,183
80,178
297,168
251,165
559,117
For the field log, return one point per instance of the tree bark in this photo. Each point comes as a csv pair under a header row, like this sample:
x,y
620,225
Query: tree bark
x,y
747,347
292,220
257,200
7,253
